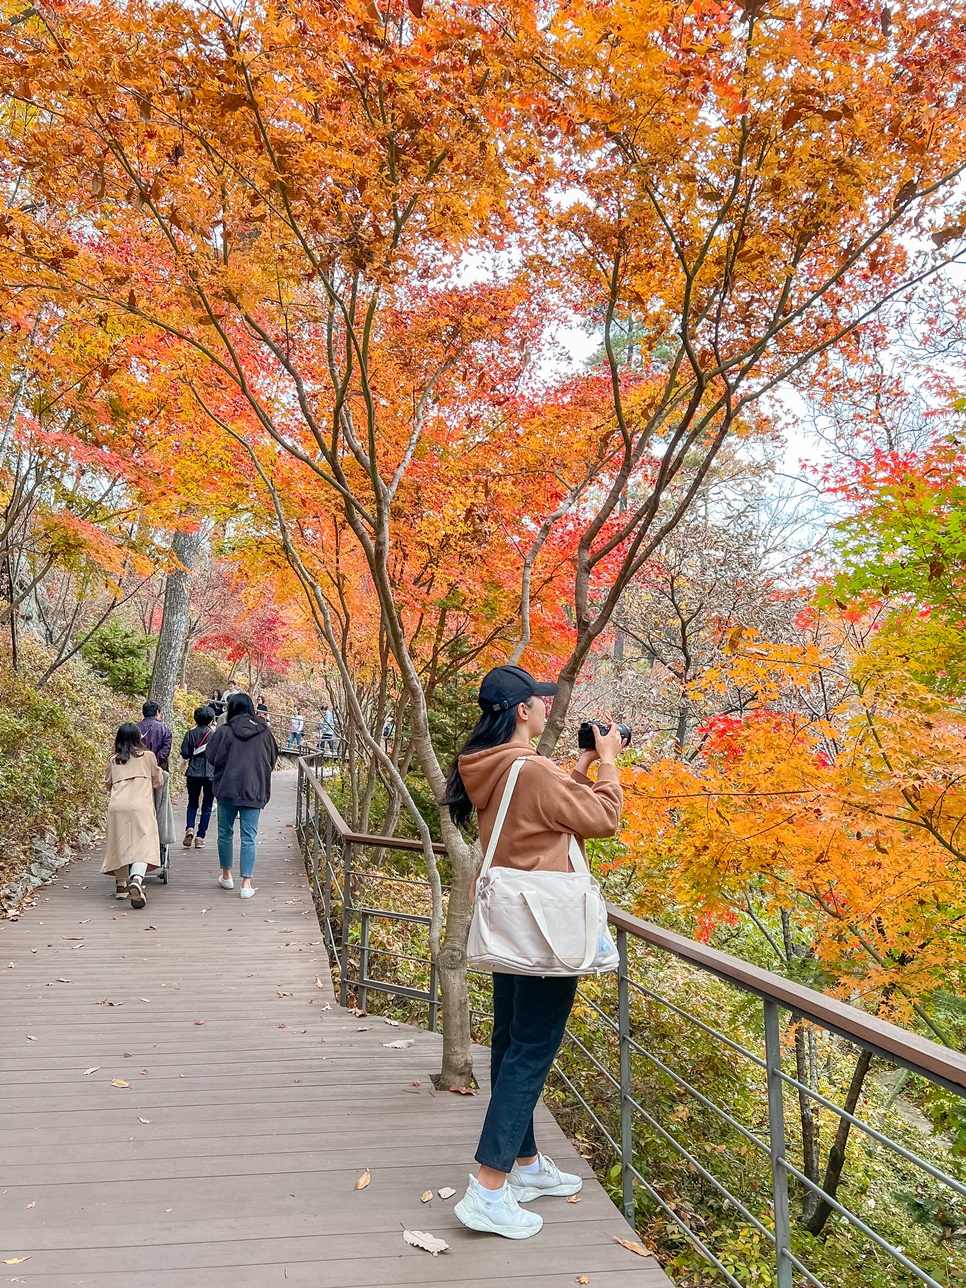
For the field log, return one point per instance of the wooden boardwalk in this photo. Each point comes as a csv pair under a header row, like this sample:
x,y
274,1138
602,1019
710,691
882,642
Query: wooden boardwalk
x,y
252,1105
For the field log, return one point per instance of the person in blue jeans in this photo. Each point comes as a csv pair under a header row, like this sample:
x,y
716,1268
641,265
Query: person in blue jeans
x,y
242,755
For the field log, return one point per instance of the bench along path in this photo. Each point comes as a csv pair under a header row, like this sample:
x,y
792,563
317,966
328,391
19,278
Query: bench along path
x,y
252,1104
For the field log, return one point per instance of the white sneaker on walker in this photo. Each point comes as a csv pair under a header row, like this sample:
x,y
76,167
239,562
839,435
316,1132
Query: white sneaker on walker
x,y
247,892
550,1181
226,885
504,1216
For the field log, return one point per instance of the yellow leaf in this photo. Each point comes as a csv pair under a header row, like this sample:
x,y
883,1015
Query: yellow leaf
x,y
424,1198
16,1261
144,1120
364,1180
119,1082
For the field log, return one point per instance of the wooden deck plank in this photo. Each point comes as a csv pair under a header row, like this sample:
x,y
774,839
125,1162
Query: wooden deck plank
x,y
259,1119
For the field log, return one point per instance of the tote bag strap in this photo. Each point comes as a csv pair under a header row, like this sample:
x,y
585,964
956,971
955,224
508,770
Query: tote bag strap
x,y
533,902
511,782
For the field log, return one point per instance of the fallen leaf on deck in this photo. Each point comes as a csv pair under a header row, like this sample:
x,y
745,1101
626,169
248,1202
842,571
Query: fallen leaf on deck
x,y
31,1038
30,1205
327,1007
415,1082
631,1246
126,1054
318,982
75,947
10,966
363,1028
16,1261
392,1023
119,1082
360,1015
446,1192
61,980
400,1044
464,1091
93,1069
144,999
281,993
582,1279
199,1021
144,1120
428,1242
364,1180
425,1198
150,927
574,1198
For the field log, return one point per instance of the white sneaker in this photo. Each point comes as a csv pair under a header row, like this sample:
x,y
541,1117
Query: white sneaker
x,y
505,1216
247,892
549,1181
226,885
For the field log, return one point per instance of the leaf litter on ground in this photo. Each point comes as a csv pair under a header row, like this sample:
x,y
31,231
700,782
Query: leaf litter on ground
x,y
428,1242
364,1180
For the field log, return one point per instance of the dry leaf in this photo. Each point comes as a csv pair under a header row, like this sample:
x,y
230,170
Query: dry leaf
x,y
93,1069
574,1198
400,1044
446,1192
428,1242
144,1120
199,1021
631,1246
31,1038
16,1261
31,1205
119,1082
363,1028
582,1279
327,1007
425,1198
415,1082
318,982
392,1023
464,1091
280,993
364,1180
61,980
144,999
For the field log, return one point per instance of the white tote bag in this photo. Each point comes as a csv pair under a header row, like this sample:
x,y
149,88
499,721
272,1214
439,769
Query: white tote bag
x,y
538,923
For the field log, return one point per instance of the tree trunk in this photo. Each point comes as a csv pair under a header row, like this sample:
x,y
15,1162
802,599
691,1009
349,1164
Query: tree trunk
x,y
457,1066
174,622
814,1220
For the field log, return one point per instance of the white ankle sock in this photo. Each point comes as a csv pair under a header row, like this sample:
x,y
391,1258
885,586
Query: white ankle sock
x,y
529,1169
490,1196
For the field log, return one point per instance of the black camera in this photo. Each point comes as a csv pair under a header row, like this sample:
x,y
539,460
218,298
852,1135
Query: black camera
x,y
585,734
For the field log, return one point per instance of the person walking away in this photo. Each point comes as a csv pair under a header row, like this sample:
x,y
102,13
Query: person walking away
x,y
155,734
242,754
388,732
198,776
261,708
295,730
133,845
327,732
530,1012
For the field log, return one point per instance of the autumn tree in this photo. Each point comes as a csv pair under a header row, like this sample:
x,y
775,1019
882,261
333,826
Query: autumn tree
x,y
287,193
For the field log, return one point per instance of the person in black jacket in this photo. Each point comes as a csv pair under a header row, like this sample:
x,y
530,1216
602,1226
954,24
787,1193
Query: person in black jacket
x,y
198,776
242,754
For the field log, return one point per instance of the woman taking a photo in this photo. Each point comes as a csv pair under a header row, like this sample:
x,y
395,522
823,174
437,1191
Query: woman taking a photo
x,y
133,847
530,1012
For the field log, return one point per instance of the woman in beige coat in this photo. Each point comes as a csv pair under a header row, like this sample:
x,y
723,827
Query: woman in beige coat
x,y
133,845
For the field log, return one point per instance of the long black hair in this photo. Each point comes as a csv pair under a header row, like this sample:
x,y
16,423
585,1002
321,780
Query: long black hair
x,y
493,729
127,743
239,704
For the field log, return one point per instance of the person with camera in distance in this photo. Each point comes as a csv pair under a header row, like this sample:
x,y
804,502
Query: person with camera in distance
x,y
546,808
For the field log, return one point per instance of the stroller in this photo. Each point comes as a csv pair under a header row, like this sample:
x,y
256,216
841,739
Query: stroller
x,y
166,827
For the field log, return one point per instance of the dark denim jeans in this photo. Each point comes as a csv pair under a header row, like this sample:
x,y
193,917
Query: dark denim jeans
x,y
200,790
530,1016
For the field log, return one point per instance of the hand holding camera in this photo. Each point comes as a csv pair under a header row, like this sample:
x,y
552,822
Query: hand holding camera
x,y
605,740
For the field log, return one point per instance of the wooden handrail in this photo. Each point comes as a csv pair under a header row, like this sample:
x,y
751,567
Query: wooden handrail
x,y
893,1043
889,1040
363,838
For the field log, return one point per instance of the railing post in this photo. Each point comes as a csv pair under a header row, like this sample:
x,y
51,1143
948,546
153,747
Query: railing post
x,y
433,998
627,1125
346,910
776,1144
362,994
327,881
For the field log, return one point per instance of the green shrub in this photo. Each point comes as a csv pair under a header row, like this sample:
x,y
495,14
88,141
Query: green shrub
x,y
121,657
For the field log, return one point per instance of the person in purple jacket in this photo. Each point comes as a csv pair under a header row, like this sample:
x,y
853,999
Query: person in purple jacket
x,y
155,734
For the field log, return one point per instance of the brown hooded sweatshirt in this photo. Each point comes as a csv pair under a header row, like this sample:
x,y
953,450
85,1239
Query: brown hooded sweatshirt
x,y
548,806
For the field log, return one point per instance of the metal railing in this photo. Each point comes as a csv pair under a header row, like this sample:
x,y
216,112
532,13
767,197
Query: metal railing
x,y
635,1064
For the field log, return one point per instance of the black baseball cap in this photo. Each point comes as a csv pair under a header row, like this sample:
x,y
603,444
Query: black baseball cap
x,y
505,686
